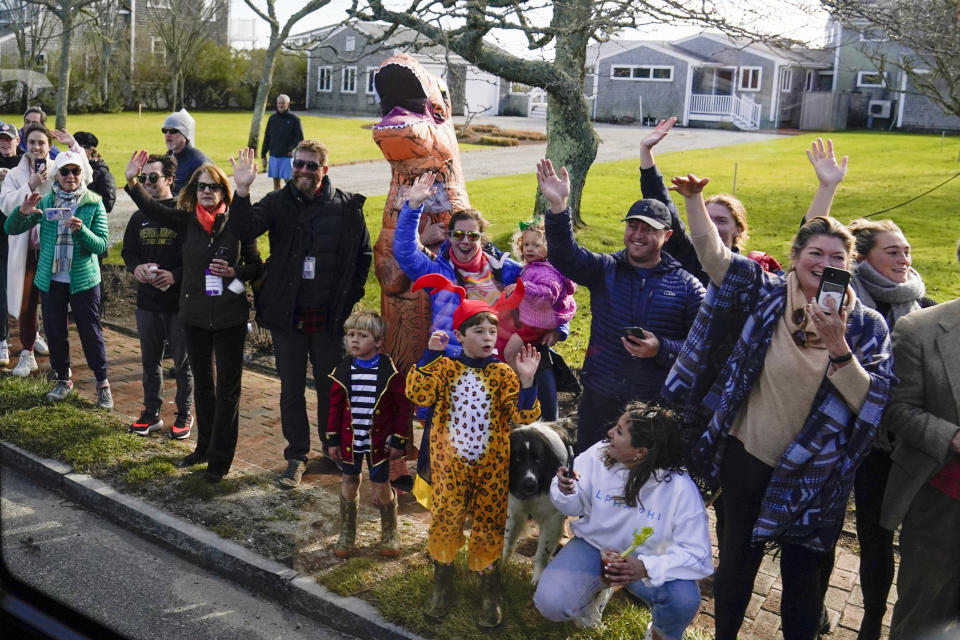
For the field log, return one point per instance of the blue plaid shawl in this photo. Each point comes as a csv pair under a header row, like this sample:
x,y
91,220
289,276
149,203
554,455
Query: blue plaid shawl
x,y
717,367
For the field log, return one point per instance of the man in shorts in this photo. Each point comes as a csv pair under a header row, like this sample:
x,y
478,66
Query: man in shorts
x,y
282,136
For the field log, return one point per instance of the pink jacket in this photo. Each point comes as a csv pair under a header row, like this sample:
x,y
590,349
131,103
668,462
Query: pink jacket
x,y
548,301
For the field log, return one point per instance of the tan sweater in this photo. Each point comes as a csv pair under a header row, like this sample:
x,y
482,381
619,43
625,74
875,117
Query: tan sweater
x,y
781,398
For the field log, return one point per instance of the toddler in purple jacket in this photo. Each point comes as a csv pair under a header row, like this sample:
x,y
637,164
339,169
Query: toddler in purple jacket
x,y
548,301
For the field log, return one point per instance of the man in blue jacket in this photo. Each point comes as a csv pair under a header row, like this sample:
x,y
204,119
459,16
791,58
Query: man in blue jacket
x,y
640,287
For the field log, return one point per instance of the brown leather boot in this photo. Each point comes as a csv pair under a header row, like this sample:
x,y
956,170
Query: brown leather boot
x,y
348,527
389,536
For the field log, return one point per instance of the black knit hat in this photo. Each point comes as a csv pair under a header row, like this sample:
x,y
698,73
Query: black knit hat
x,y
86,139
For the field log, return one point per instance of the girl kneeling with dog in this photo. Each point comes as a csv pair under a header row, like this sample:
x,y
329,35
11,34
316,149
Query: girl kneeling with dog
x,y
474,397
642,526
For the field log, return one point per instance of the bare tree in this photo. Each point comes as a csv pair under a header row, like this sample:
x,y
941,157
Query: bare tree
x,y
68,12
107,27
278,34
31,27
183,26
562,27
920,38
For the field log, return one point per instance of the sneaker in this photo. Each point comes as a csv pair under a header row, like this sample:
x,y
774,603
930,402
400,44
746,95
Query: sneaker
x,y
4,353
146,424
593,614
649,634
104,397
181,426
26,365
60,391
40,346
290,478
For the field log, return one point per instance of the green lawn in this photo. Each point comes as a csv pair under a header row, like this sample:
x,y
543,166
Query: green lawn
x,y
219,134
775,182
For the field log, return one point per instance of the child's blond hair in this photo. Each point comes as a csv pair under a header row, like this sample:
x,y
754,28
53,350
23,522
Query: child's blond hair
x,y
517,240
366,320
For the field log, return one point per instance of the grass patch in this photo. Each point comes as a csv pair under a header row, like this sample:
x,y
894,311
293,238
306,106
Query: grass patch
x,y
219,134
355,575
140,475
24,393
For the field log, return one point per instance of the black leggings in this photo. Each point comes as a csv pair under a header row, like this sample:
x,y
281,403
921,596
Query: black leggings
x,y
744,481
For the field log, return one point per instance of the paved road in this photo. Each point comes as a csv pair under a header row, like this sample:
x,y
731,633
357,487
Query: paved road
x,y
139,588
618,142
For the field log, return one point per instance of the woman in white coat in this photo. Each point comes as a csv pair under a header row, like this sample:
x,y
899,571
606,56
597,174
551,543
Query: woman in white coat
x,y
33,174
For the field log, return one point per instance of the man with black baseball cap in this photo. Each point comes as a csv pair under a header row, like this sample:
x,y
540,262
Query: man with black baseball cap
x,y
642,305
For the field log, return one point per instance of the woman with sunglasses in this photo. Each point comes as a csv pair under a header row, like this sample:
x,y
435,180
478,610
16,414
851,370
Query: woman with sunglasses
x,y
32,174
213,303
73,231
781,414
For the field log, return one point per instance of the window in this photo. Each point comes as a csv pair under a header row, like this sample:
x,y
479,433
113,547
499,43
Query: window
x,y
371,71
158,50
750,78
642,72
810,82
324,79
351,43
786,80
872,34
349,84
158,4
870,79
41,62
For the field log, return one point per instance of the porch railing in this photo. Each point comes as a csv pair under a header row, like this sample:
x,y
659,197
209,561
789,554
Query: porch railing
x,y
744,112
711,105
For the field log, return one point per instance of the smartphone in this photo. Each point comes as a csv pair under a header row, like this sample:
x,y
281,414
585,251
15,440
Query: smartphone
x,y
39,164
833,286
221,253
570,457
58,213
636,332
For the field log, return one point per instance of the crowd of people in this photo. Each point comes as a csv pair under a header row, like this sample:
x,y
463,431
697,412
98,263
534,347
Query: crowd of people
x,y
709,368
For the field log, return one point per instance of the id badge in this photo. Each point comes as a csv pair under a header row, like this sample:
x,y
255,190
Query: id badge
x,y
213,284
309,267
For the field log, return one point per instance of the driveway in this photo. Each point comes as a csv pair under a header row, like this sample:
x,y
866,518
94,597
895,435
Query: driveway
x,y
617,142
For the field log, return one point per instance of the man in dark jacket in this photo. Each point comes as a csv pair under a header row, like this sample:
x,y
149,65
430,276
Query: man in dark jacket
x,y
152,254
642,305
179,134
282,136
319,259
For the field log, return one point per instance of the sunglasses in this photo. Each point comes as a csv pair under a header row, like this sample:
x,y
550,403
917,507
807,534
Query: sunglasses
x,y
66,171
153,178
206,186
460,234
799,336
309,164
170,131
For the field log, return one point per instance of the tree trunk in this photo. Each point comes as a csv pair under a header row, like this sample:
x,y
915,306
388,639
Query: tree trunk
x,y
63,90
263,91
106,53
571,139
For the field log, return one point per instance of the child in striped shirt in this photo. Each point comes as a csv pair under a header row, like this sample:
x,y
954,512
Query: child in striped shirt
x,y
369,419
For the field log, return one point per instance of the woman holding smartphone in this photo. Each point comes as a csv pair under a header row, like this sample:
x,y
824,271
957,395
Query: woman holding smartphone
x,y
73,231
34,173
213,303
781,415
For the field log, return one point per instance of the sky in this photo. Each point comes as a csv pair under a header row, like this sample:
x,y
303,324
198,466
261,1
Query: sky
x,y
798,19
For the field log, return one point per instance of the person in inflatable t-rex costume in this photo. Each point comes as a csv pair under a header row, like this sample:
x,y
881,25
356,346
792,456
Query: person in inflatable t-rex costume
x,y
416,135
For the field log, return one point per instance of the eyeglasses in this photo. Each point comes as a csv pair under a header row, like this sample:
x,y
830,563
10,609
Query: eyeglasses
x,y
169,131
66,171
799,336
460,234
206,186
153,178
309,164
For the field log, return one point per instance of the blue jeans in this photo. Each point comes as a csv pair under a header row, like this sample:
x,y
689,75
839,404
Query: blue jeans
x,y
572,579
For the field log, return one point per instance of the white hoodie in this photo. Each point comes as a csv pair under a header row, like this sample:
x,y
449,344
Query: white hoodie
x,y
679,548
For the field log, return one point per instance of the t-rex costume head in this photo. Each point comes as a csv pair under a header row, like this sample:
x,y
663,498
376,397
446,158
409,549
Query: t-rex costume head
x,y
416,135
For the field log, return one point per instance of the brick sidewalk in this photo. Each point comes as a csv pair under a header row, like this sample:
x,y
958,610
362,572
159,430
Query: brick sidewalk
x,y
260,451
